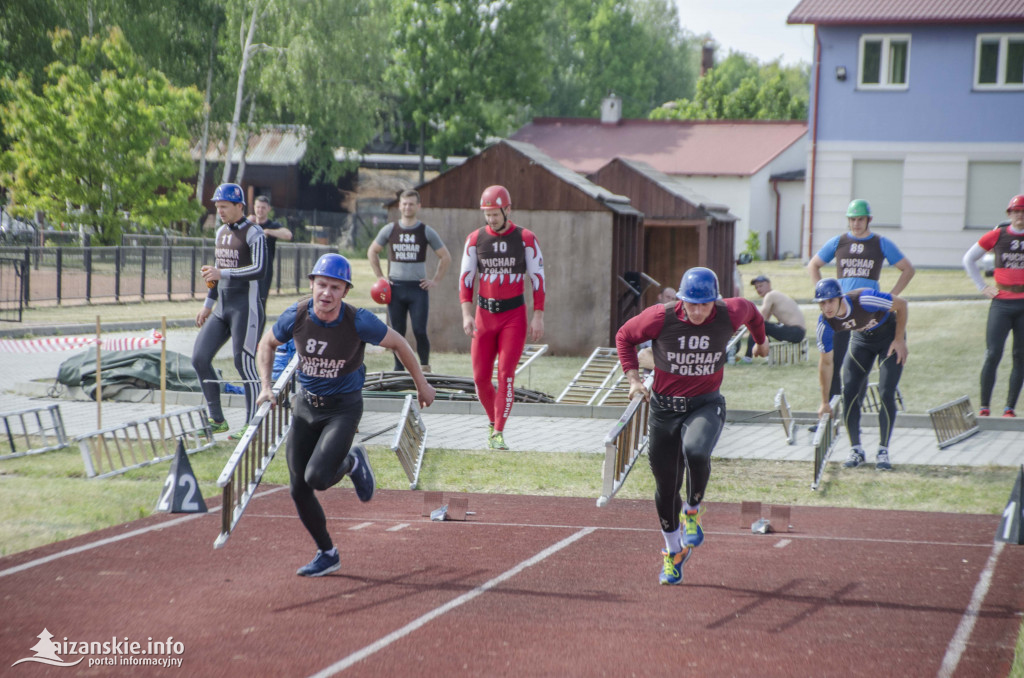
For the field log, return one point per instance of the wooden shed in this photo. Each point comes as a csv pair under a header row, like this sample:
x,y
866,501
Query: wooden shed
x,y
590,239
681,228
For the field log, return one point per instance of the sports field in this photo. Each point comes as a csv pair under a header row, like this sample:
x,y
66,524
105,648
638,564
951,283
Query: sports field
x,y
526,586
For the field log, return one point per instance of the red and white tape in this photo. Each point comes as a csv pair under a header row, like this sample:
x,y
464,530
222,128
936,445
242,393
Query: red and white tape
x,y
71,343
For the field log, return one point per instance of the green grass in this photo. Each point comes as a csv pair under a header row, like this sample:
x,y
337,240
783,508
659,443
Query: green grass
x,y
76,505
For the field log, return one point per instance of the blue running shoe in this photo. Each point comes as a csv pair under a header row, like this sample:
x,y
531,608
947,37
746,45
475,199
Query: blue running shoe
x,y
362,475
693,533
320,565
672,570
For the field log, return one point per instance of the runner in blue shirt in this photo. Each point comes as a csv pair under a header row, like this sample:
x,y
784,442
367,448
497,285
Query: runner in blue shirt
x,y
330,337
859,255
877,322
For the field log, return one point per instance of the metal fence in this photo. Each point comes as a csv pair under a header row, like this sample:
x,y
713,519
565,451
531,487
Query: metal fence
x,y
12,275
133,273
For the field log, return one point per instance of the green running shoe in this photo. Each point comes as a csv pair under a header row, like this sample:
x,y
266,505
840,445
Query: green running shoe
x,y
218,426
497,441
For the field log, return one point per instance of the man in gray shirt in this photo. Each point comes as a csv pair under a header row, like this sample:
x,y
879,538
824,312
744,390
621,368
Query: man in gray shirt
x,y
407,271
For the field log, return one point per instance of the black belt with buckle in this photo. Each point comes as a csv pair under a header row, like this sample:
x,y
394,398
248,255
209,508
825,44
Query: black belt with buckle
x,y
500,305
674,403
319,401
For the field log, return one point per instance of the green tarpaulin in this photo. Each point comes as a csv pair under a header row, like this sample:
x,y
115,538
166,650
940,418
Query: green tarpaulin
x,y
128,369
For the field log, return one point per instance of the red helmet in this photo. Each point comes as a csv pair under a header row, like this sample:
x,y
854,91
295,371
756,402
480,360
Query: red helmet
x,y
1016,203
495,197
381,291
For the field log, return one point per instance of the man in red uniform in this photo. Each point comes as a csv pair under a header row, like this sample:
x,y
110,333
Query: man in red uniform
x,y
687,410
1006,313
500,256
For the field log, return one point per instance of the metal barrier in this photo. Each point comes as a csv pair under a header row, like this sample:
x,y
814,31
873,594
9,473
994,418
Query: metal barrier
x,y
410,440
787,353
35,430
872,400
732,348
599,382
112,451
825,440
266,431
953,421
623,445
530,353
788,424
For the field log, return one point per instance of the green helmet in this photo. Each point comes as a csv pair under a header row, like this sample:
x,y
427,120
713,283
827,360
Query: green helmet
x,y
859,208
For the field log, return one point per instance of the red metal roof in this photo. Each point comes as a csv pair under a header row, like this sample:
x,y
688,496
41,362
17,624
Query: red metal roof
x,y
839,12
738,148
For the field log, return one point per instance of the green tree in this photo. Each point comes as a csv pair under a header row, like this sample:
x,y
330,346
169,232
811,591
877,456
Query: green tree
x,y
105,144
633,48
461,69
741,89
316,64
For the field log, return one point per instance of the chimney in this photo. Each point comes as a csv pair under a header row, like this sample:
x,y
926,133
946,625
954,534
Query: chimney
x,y
707,57
611,110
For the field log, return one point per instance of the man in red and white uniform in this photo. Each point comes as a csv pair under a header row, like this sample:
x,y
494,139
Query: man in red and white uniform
x,y
499,257
1006,313
687,412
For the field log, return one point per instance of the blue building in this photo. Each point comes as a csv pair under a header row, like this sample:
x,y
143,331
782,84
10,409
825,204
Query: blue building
x,y
917,107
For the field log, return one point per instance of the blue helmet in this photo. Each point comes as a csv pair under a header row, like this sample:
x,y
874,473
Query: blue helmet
x,y
698,286
229,193
333,266
827,288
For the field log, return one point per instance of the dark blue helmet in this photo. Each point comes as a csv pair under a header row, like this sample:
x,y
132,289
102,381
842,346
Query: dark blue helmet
x,y
333,266
827,288
698,286
229,193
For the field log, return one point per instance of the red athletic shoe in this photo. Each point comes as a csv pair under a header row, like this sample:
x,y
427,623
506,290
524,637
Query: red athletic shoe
x,y
984,412
1008,412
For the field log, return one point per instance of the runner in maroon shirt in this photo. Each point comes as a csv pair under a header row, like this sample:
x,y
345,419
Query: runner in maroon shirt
x,y
687,410
501,256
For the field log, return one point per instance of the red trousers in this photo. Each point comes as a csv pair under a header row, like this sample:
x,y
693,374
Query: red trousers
x,y
501,336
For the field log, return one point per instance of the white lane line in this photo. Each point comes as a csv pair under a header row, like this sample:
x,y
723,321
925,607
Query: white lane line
x,y
958,643
396,528
111,540
398,634
783,543
360,526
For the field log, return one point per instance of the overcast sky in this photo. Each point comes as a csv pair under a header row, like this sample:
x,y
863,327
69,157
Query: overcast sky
x,y
756,27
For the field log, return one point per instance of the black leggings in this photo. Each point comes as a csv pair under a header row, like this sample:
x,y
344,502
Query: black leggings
x,y
865,348
408,297
682,442
794,334
238,318
1004,316
318,456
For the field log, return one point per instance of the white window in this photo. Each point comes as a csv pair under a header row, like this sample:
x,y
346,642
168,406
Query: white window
x,y
990,185
880,182
884,62
999,61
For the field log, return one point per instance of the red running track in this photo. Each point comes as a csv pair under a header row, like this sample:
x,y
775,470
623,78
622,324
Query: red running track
x,y
528,586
